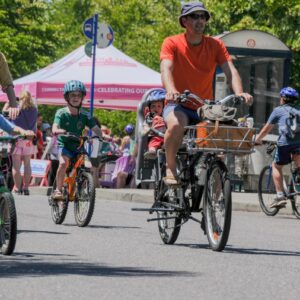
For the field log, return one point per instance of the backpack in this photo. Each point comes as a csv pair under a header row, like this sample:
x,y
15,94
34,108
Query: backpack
x,y
292,124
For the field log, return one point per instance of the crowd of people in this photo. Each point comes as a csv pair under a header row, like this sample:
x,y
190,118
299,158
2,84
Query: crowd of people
x,y
186,59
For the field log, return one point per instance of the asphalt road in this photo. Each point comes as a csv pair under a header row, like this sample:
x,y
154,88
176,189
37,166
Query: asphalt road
x,y
121,256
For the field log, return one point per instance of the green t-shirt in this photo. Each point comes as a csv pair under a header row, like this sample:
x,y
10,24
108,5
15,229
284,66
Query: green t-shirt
x,y
73,125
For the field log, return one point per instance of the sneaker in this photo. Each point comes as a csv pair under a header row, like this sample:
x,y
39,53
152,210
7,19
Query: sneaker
x,y
57,195
26,192
17,192
279,202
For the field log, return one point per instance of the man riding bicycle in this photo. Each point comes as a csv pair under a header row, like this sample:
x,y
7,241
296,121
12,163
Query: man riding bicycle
x,y
188,62
288,147
70,119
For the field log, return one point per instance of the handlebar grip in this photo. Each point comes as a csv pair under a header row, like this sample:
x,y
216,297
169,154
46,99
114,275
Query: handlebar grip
x,y
241,98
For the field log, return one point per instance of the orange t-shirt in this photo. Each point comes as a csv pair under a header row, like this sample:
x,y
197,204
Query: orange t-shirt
x,y
194,66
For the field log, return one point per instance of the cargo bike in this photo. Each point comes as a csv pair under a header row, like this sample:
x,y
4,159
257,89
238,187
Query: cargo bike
x,y
205,184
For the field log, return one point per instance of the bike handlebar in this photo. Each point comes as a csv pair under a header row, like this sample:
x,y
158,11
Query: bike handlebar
x,y
79,138
12,138
186,95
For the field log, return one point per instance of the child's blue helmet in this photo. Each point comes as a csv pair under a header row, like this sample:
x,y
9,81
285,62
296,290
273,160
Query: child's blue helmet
x,y
156,95
129,129
73,86
289,94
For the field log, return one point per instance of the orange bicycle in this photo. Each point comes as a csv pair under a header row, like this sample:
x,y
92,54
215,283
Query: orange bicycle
x,y
79,187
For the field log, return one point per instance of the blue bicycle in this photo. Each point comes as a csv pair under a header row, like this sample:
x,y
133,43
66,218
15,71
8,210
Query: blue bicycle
x,y
267,192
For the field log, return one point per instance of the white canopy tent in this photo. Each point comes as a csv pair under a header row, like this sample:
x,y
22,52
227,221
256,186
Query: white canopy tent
x,y
120,81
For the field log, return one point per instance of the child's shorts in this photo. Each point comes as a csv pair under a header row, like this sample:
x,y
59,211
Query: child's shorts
x,y
66,152
24,147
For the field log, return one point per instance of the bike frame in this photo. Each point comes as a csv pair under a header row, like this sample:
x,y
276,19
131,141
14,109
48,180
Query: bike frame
x,y
71,180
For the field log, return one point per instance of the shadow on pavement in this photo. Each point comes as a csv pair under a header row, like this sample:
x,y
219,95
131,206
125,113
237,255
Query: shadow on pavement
x,y
192,246
251,251
14,268
256,251
105,226
41,231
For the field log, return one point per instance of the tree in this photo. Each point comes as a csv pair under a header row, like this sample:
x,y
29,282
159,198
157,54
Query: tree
x,y
141,26
28,38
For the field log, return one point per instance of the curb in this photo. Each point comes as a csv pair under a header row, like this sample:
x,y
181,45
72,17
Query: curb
x,y
240,201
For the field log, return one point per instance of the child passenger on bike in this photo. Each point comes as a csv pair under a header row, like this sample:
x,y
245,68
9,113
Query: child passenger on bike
x,y
155,120
288,148
70,119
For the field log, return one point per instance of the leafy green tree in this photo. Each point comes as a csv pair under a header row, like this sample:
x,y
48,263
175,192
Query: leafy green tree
x,y
28,39
71,14
141,26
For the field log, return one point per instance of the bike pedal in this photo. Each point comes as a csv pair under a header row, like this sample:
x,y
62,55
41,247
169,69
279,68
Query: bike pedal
x,y
203,227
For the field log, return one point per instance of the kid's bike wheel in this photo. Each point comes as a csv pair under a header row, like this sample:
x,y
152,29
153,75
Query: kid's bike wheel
x,y
217,206
85,199
295,199
8,223
59,208
169,222
266,191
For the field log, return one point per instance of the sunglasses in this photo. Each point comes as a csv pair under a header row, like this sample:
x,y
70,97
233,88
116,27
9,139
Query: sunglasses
x,y
197,16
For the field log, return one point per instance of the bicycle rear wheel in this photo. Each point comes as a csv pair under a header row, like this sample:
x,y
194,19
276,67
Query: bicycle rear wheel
x,y
295,200
217,206
59,208
8,223
170,221
85,199
267,191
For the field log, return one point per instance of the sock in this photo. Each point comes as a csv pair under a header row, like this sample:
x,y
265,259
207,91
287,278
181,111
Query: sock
x,y
280,194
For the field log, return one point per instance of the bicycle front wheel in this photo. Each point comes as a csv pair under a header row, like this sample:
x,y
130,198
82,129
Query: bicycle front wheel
x,y
217,206
85,199
267,191
295,199
8,224
59,208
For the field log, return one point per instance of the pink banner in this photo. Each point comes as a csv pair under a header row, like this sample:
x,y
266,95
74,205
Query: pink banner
x,y
118,97
101,91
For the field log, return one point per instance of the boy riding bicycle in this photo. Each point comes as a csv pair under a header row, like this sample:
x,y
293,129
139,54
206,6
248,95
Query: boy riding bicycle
x,y
70,119
288,145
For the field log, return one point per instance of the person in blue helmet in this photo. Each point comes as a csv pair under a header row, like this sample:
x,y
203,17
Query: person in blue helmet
x,y
287,117
70,119
154,119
